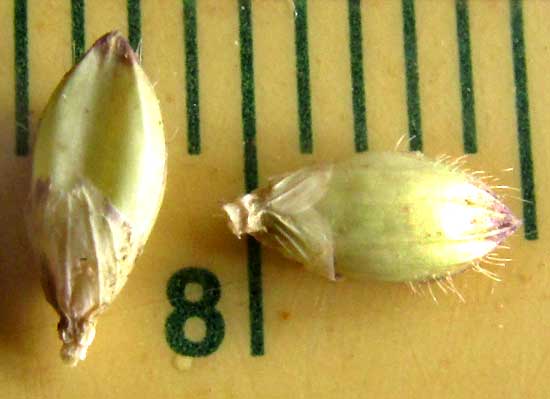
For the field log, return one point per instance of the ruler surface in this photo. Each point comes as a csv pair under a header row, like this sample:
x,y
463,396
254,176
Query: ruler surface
x,y
252,89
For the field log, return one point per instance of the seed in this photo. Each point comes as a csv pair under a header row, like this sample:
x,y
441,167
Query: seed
x,y
388,216
97,184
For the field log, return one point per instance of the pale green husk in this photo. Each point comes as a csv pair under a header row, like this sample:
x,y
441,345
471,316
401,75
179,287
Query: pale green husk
x,y
389,216
99,165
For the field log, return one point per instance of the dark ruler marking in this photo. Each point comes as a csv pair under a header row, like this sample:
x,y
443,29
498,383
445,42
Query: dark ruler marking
x,y
78,29
357,76
192,77
411,69
134,23
523,123
466,79
21,78
257,347
251,174
203,308
302,76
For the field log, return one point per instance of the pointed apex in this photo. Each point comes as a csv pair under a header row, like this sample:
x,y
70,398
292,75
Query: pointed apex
x,y
77,336
114,44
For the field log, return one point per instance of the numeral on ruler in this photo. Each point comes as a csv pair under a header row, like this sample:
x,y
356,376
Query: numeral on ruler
x,y
204,309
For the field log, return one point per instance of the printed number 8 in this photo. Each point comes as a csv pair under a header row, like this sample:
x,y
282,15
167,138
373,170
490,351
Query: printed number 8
x,y
203,308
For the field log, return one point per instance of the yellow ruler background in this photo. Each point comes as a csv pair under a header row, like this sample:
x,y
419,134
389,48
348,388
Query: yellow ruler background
x,y
302,337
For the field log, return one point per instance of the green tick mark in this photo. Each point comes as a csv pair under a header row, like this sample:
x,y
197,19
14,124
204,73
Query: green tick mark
x,y
21,78
411,69
251,174
523,122
302,76
192,77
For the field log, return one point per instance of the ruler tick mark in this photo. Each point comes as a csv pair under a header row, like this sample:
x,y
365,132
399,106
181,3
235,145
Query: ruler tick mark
x,y
523,122
357,76
21,78
78,29
251,174
302,76
466,79
192,77
134,24
411,70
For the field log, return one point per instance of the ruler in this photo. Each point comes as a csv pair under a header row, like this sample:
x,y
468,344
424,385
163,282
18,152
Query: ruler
x,y
252,89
